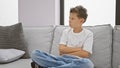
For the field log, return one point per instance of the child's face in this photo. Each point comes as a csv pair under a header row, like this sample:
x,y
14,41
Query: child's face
x,y
74,21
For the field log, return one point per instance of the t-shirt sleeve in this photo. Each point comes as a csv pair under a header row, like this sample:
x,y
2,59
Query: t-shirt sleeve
x,y
63,39
88,43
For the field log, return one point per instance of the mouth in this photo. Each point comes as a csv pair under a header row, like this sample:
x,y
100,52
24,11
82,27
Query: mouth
x,y
69,24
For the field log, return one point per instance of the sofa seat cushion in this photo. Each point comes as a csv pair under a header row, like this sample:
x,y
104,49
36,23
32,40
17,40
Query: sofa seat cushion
x,y
21,63
102,43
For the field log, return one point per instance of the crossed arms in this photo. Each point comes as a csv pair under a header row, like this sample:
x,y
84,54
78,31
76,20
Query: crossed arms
x,y
63,49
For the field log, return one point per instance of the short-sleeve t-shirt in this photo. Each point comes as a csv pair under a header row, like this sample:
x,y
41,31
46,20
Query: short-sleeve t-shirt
x,y
82,39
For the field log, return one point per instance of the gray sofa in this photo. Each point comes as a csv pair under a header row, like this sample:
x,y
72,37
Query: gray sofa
x,y
106,45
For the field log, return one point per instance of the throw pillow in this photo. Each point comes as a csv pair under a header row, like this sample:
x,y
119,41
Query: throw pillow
x,y
9,55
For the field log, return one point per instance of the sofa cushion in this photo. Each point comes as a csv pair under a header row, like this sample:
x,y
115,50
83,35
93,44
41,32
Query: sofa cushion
x,y
102,42
13,37
117,27
57,35
39,38
116,48
22,63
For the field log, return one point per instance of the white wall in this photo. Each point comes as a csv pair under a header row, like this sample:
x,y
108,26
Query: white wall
x,y
99,11
29,12
46,12
8,12
37,12
57,12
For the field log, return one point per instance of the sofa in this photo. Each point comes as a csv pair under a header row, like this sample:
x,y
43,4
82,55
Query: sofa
x,y
106,44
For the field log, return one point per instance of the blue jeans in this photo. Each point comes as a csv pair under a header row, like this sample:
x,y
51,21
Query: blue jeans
x,y
64,61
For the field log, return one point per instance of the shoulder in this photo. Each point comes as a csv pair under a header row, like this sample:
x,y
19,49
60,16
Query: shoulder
x,y
88,32
67,30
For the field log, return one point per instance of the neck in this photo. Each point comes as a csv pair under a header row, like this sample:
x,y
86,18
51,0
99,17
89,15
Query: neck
x,y
77,30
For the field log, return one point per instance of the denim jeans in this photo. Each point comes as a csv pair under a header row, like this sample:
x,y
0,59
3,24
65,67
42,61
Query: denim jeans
x,y
64,61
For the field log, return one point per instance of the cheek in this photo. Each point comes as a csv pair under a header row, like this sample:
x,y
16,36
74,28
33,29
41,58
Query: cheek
x,y
71,24
72,21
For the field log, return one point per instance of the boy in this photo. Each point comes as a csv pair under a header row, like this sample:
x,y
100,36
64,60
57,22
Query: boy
x,y
75,45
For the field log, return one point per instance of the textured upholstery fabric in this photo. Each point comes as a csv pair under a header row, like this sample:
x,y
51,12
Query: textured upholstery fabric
x,y
116,49
13,37
102,43
22,63
39,38
57,35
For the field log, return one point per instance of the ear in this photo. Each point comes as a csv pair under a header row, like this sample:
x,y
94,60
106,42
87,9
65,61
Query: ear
x,y
82,20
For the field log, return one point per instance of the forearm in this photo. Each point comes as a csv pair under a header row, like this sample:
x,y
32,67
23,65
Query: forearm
x,y
73,51
81,53
65,50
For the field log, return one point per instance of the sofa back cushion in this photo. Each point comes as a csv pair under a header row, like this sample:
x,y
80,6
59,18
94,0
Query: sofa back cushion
x,y
39,38
57,35
116,48
102,43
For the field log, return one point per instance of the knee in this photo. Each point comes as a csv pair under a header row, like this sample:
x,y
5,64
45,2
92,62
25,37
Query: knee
x,y
89,64
34,53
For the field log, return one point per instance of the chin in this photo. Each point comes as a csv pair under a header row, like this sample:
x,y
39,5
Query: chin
x,y
70,26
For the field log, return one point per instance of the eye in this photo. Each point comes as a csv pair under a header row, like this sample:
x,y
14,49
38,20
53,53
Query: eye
x,y
72,18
